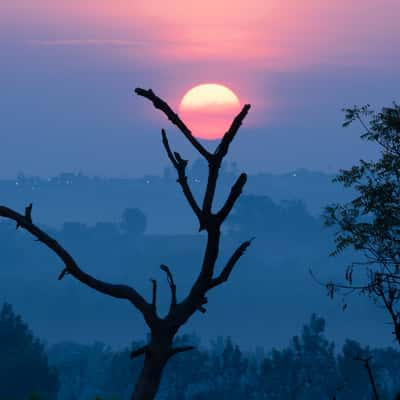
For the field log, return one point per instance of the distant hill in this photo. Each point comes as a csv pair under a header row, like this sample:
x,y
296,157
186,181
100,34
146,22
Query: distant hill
x,y
72,197
269,296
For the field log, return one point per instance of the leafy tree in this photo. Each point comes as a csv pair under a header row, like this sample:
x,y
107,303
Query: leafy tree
x,y
120,374
305,370
263,217
228,372
370,223
133,221
24,369
352,372
81,368
317,357
386,369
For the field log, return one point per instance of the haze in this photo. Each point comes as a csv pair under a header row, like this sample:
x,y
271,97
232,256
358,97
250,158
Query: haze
x,y
78,143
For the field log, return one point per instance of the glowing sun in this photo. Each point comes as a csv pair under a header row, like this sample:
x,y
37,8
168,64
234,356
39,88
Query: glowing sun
x,y
208,110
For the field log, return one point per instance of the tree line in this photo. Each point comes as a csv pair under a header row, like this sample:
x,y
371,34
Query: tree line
x,y
309,367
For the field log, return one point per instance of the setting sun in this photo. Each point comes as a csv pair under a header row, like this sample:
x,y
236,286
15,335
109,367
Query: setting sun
x,y
208,110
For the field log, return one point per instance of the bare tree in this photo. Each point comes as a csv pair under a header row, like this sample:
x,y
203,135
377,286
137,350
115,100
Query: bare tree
x,y
160,347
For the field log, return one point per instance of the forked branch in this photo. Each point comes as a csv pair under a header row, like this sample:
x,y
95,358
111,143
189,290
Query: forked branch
x,y
210,221
214,163
180,166
226,271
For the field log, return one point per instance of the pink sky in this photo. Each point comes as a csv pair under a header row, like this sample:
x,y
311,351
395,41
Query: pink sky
x,y
249,35
276,33
282,56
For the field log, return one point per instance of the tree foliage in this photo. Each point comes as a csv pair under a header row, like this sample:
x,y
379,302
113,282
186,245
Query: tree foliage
x,y
263,217
133,221
306,369
370,223
24,369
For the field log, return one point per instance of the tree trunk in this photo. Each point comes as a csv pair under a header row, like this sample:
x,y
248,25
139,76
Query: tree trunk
x,y
149,379
155,360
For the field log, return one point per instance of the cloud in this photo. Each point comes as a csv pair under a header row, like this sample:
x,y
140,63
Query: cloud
x,y
87,42
268,35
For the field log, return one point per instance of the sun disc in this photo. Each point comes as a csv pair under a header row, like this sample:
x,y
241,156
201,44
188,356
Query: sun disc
x,y
208,109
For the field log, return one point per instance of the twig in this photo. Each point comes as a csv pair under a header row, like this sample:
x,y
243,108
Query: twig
x,y
180,349
180,166
223,147
171,284
154,294
226,271
232,198
174,118
139,352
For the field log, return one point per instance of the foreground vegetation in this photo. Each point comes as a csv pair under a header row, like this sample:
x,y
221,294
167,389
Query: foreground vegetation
x,y
308,368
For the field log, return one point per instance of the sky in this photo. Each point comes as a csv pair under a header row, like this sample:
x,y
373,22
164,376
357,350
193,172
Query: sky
x,y
68,69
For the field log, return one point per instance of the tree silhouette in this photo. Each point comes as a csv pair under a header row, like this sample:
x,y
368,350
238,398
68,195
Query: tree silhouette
x,y
370,223
133,221
24,367
160,347
306,369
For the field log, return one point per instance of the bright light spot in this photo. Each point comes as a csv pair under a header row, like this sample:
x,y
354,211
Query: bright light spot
x,y
209,109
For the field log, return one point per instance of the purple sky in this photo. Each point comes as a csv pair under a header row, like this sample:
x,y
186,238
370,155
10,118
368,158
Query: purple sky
x,y
68,70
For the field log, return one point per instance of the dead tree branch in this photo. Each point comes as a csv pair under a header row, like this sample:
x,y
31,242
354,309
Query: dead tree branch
x,y
196,298
63,273
214,163
163,330
181,349
180,166
154,294
233,196
226,271
223,147
174,118
171,284
114,290
28,215
139,352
